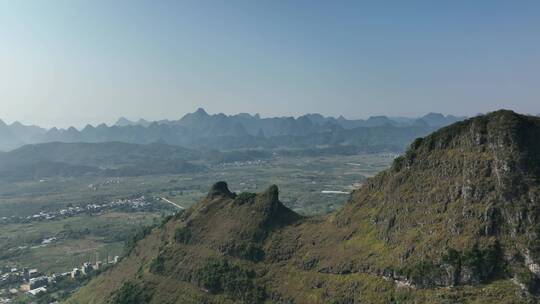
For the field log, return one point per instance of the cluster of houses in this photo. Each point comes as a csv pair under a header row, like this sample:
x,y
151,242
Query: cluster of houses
x,y
32,282
132,203
108,182
390,155
257,162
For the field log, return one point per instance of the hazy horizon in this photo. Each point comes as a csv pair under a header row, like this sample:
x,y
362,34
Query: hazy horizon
x,y
72,63
83,124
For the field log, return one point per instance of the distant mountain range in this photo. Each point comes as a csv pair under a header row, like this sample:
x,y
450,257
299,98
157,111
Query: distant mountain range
x,y
219,131
276,126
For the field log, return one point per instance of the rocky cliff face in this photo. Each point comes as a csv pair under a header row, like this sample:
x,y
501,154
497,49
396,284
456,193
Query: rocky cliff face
x,y
456,219
462,202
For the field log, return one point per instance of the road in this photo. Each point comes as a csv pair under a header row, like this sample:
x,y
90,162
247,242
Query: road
x,y
172,203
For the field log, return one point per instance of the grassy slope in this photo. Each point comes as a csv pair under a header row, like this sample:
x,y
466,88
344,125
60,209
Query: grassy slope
x,y
284,281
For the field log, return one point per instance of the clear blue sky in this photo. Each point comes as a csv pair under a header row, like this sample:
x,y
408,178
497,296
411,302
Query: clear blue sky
x,y
73,62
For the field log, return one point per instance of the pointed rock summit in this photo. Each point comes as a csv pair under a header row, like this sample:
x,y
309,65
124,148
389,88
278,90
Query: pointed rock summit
x,y
122,122
220,189
201,112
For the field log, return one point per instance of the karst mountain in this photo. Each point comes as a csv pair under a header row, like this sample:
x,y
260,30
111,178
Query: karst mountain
x,y
456,219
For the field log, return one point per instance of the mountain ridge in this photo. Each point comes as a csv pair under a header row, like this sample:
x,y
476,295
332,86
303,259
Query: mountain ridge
x,y
220,131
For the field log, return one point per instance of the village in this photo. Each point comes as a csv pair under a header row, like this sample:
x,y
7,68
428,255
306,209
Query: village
x,y
137,203
22,283
16,281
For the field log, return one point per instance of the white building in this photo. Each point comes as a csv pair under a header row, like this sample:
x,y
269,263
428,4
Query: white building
x,y
35,292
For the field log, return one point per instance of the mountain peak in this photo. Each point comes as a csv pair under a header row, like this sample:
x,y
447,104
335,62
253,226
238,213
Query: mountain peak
x,y
201,111
197,117
236,225
502,133
219,189
439,120
272,193
122,122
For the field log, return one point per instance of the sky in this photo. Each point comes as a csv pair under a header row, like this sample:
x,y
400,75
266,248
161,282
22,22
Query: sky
x,y
73,62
